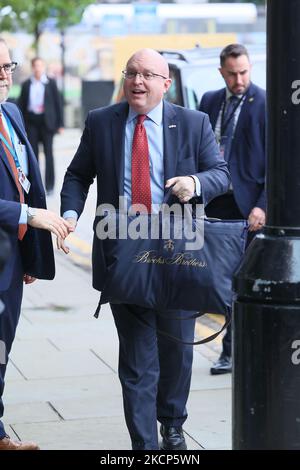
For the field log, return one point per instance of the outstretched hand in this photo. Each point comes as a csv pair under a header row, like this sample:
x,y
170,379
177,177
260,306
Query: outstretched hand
x,y
48,220
60,241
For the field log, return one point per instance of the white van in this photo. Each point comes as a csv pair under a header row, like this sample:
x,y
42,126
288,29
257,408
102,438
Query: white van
x,y
195,72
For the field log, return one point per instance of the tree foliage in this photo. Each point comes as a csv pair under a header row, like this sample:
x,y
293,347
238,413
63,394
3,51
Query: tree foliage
x,y
32,14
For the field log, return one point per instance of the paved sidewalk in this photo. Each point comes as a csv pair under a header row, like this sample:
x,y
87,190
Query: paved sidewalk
x,y
62,388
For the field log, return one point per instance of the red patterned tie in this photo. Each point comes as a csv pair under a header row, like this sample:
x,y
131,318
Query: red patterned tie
x,y
22,227
140,168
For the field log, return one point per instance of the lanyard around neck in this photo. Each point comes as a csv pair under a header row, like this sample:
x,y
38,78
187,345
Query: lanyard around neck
x,y
10,147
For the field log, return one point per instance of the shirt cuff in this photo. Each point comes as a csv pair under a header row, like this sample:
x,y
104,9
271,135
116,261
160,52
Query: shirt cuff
x,y
198,185
23,215
70,215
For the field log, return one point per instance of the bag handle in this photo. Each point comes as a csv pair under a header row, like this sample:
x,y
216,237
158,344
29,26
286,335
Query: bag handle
x,y
190,205
171,337
174,338
168,194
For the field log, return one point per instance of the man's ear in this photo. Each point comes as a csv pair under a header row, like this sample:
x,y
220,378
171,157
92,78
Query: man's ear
x,y
167,84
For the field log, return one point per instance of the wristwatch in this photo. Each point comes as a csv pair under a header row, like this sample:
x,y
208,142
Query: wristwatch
x,y
31,212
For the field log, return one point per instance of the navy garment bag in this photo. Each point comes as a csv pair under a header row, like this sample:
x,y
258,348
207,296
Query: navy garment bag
x,y
171,273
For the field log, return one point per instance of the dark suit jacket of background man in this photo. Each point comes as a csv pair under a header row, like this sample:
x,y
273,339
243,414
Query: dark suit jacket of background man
x,y
36,247
4,250
53,104
33,255
189,149
247,156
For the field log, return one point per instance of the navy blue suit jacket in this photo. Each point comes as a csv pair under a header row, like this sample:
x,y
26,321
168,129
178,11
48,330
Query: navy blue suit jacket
x,y
36,247
189,148
247,158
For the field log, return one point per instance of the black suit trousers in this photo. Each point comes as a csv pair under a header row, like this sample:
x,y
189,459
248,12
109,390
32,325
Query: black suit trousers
x,y
9,319
155,372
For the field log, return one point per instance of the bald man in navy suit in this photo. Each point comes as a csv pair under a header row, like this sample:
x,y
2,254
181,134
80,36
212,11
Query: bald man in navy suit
x,y
155,372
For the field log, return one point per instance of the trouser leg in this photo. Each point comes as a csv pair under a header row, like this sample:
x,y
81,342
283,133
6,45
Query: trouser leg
x,y
47,139
227,342
155,372
138,373
175,361
8,323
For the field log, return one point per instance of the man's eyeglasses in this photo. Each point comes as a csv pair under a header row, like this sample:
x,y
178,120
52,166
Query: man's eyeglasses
x,y
9,68
129,75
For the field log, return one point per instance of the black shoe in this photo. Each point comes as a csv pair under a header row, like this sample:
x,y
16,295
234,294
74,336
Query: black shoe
x,y
222,366
173,438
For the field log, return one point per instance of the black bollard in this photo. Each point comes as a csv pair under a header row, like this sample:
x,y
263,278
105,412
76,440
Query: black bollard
x,y
266,325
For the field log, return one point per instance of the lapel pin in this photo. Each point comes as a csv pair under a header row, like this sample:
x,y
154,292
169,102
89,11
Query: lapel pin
x,y
171,126
251,99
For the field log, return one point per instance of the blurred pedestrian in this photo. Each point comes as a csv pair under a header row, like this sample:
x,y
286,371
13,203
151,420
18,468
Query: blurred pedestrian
x,y
22,214
41,105
238,117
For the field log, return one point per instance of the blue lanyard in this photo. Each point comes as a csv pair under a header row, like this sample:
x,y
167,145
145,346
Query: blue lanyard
x,y
10,148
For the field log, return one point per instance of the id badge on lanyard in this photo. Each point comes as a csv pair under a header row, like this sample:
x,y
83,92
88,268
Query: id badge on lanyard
x,y
23,180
